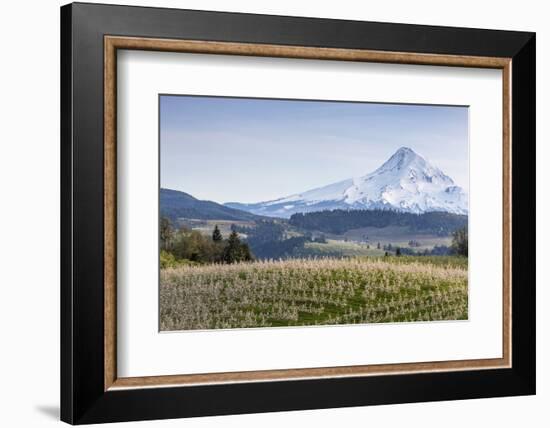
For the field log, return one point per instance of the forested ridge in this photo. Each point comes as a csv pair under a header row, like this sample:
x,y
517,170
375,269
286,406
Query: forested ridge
x,y
340,221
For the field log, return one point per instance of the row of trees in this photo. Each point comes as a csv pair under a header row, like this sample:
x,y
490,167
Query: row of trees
x,y
459,246
268,240
340,221
187,244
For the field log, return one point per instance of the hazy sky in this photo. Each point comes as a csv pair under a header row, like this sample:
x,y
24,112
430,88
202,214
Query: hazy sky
x,y
252,150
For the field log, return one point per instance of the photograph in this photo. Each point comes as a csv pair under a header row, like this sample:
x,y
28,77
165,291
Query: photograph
x,y
277,212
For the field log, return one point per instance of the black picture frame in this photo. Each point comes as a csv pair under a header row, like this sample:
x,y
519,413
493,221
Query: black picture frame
x,y
83,398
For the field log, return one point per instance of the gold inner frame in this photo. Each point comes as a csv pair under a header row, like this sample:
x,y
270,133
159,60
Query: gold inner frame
x,y
113,43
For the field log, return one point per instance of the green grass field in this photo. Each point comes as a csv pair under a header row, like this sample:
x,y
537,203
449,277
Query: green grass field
x,y
335,247
395,235
323,291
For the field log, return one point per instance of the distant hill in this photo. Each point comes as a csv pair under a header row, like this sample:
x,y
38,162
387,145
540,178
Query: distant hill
x,y
340,221
175,204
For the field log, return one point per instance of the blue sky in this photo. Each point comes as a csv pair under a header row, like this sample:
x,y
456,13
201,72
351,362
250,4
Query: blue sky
x,y
252,150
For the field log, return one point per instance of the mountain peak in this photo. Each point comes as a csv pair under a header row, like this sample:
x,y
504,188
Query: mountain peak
x,y
403,157
404,150
406,153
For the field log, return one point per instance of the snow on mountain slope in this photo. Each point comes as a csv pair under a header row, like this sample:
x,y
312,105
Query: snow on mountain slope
x,y
405,182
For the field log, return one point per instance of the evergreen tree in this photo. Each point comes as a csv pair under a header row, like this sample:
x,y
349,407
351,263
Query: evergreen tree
x,y
397,251
166,233
235,250
246,254
378,246
217,235
231,249
460,241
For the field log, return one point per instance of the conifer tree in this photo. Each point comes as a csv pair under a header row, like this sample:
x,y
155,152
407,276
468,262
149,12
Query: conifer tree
x,y
460,241
166,233
235,250
217,235
232,249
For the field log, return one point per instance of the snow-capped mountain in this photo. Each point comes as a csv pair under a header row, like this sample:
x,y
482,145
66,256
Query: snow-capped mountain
x,y
405,182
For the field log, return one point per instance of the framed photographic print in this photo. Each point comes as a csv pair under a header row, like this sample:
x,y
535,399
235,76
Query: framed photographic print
x,y
265,213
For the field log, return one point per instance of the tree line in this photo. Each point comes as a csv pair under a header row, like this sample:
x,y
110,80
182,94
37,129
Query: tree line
x,y
459,247
183,244
340,221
